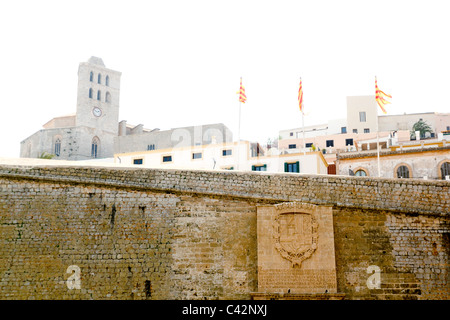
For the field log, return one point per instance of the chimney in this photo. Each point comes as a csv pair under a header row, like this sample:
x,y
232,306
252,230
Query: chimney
x,y
123,128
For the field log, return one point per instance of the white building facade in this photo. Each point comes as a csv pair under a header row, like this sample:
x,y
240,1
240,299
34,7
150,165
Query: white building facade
x,y
358,132
422,160
243,156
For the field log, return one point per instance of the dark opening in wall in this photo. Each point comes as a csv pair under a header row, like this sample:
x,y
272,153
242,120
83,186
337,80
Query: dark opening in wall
x,y
446,242
113,215
148,289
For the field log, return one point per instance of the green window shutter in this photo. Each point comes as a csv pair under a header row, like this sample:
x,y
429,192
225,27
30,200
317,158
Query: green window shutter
x,y
285,167
253,168
298,166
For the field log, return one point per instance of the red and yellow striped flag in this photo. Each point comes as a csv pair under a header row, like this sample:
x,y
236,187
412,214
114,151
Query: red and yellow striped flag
x,y
300,96
242,96
380,97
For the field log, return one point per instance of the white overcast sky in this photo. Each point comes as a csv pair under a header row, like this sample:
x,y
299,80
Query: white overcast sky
x,y
181,60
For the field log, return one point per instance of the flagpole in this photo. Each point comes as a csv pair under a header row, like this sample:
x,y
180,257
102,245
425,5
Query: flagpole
x,y
239,132
378,150
300,101
378,142
381,101
303,129
239,135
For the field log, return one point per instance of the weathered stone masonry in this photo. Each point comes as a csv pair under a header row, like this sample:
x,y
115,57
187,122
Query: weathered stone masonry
x,y
172,234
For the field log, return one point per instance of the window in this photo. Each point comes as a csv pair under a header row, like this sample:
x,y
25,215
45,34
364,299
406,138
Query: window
x,y
309,145
355,130
226,152
403,172
291,134
108,97
348,142
330,143
107,81
360,173
292,167
138,161
90,93
259,168
292,146
255,150
29,149
95,147
366,130
228,168
445,170
91,77
197,155
99,95
58,147
362,116
150,147
99,78
167,159
148,288
343,129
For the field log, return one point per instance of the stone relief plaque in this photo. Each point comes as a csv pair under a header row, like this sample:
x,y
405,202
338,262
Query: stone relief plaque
x,y
295,236
296,249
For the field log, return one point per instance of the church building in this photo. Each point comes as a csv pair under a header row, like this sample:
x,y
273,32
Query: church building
x,y
94,130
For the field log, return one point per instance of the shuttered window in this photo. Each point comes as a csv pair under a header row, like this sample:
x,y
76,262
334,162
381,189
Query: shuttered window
x,y
292,167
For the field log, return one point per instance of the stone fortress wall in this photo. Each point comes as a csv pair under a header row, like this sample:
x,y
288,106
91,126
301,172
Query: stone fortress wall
x,y
133,233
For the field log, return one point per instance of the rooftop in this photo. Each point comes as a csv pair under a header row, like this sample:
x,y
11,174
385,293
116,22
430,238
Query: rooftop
x,y
96,60
390,152
34,162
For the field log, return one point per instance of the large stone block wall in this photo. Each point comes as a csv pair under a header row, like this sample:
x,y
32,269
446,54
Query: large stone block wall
x,y
119,240
413,195
410,250
170,234
128,244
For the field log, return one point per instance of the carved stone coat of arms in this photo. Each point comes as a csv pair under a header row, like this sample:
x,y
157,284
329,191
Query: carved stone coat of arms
x,y
296,235
295,249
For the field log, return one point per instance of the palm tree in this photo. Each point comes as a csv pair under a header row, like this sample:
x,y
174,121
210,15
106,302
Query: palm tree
x,y
45,155
421,126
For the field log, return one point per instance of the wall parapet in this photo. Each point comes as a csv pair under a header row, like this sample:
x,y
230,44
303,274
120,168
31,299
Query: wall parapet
x,y
406,195
397,151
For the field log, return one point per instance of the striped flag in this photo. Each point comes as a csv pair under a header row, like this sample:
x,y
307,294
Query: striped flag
x,y
300,96
242,96
380,97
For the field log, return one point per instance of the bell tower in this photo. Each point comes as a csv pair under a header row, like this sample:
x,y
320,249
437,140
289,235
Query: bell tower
x,y
90,133
98,96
